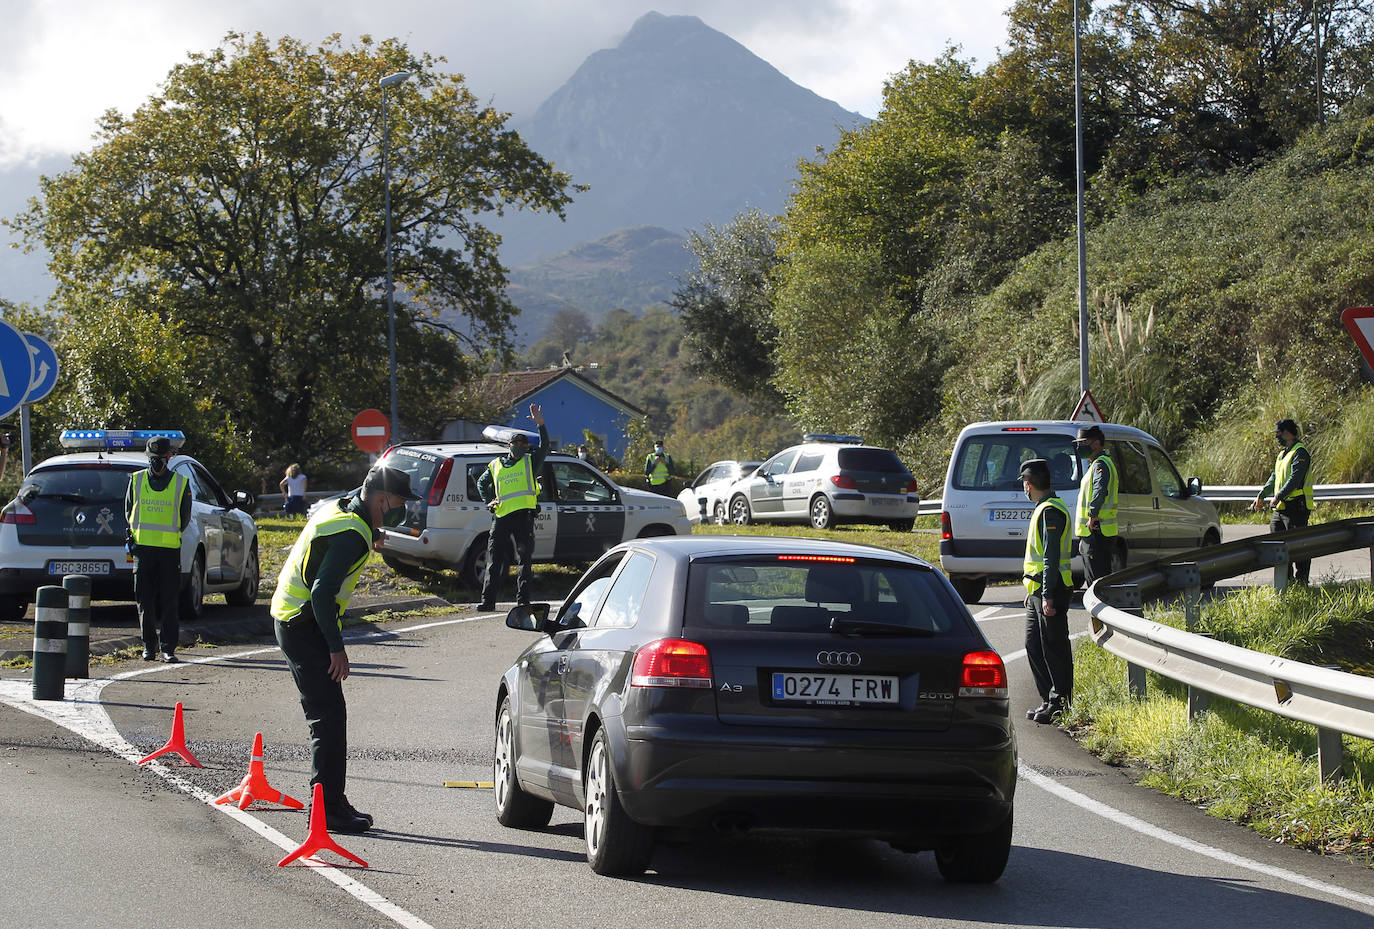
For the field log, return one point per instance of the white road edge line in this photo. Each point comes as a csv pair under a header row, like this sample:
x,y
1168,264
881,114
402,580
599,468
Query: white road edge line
x,y
82,713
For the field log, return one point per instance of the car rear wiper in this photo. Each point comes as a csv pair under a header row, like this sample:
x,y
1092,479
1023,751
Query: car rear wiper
x,y
870,627
67,497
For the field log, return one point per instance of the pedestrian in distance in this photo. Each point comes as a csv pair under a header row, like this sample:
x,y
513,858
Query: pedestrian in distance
x,y
1289,489
293,491
510,489
157,507
313,591
1048,584
1095,522
658,469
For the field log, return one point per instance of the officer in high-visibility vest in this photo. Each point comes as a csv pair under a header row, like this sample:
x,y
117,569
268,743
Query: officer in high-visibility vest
x,y
1095,515
510,489
1291,489
1048,584
157,506
658,469
313,590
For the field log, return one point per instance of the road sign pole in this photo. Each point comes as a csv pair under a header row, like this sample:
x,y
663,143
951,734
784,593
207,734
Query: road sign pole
x,y
24,438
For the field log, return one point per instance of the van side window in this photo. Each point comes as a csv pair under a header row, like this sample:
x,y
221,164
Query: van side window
x,y
1133,467
1170,484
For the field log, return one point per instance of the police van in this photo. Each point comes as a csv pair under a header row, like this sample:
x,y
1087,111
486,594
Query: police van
x,y
985,514
582,512
68,518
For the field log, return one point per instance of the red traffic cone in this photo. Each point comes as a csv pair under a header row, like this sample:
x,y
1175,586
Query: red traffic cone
x,y
177,743
318,840
254,785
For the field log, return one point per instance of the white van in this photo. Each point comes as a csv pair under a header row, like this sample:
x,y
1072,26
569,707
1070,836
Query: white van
x,y
985,513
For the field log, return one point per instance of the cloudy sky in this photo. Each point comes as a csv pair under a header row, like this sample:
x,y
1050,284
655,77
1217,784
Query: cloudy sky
x,y
67,61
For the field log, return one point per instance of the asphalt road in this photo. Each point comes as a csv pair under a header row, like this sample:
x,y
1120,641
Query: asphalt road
x,y
92,839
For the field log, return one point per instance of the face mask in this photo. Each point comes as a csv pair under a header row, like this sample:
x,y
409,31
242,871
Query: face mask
x,y
394,516
1030,496
517,452
157,464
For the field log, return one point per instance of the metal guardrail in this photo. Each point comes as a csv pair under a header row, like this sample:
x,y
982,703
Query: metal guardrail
x,y
1333,701
1233,492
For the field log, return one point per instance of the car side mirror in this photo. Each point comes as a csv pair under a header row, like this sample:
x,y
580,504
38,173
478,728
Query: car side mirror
x,y
1194,487
244,500
528,617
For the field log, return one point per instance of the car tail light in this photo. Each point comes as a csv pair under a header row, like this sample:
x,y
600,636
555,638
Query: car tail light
x,y
843,480
440,483
19,515
983,675
912,488
946,527
672,663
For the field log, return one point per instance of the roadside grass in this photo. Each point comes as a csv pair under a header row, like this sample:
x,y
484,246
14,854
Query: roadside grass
x,y
1235,762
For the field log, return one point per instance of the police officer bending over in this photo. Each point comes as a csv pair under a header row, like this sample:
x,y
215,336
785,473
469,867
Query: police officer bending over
x,y
510,489
313,591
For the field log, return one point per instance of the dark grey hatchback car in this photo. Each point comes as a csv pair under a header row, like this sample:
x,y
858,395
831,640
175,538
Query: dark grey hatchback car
x,y
732,684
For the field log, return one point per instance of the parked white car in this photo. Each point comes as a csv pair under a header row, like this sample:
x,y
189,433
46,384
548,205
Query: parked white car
x,y
582,512
708,496
986,514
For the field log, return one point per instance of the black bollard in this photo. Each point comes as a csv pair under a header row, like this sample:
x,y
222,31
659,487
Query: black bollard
x,y
50,644
78,588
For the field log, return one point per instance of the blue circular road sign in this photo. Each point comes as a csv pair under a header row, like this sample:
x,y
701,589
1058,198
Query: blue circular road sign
x,y
16,368
44,368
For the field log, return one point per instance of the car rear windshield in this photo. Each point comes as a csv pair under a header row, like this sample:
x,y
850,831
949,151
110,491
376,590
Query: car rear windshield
x,y
993,462
418,464
871,459
75,504
779,594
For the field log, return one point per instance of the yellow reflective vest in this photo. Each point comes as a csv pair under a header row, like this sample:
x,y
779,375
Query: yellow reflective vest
x,y
1107,515
155,519
1034,565
1283,470
515,486
293,590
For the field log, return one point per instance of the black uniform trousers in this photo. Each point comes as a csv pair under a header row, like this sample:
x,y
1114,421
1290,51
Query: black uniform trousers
x,y
512,533
326,713
157,587
1047,647
1293,516
1096,550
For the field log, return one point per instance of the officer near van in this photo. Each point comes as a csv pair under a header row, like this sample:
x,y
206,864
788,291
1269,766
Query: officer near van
x,y
1048,583
510,489
313,590
1095,522
1290,489
157,506
658,469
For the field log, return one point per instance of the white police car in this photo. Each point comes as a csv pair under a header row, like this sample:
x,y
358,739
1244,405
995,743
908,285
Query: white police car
x,y
582,512
68,518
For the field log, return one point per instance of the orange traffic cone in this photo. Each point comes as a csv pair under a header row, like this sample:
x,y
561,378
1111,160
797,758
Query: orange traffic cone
x,y
254,785
177,743
318,840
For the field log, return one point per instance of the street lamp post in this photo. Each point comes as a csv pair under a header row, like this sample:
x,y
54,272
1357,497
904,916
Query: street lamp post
x,y
390,80
1078,165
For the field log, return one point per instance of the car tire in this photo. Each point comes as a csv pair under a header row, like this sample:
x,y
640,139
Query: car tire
x,y
970,589
975,859
902,525
720,516
821,512
12,608
616,844
405,568
740,514
474,570
246,594
514,807
193,591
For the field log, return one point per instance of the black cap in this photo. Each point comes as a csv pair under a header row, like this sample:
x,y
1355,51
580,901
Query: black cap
x,y
389,480
1089,432
1286,425
1036,470
159,447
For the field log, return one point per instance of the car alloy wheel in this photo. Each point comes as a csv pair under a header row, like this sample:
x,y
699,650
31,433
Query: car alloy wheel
x,y
822,514
514,807
616,844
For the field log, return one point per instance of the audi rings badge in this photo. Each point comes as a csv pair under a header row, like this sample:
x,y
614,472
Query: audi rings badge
x,y
839,659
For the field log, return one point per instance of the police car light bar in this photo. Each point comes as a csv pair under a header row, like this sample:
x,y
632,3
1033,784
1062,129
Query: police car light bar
x,y
111,439
828,437
503,435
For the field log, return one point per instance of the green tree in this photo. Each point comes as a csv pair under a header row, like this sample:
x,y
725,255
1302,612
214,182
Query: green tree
x,y
239,212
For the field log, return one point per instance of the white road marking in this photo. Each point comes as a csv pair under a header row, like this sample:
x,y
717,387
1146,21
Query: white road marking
x,y
82,713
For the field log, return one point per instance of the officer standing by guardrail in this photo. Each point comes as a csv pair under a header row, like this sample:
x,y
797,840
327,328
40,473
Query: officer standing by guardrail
x,y
1048,584
1095,523
1291,487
